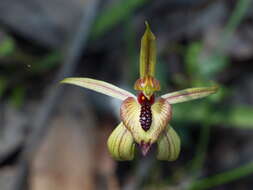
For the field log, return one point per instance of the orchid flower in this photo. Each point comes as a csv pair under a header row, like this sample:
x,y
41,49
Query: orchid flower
x,y
144,118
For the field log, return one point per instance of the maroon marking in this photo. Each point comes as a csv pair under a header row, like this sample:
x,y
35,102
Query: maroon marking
x,y
146,113
145,147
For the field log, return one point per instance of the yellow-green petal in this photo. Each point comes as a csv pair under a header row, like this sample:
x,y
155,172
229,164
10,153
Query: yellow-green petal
x,y
130,114
147,82
189,94
168,145
148,53
121,144
99,86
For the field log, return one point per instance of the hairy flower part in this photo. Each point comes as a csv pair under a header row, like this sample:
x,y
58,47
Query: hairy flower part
x,y
145,118
146,113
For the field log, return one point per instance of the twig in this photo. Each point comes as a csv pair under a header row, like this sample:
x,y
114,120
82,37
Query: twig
x,y
40,127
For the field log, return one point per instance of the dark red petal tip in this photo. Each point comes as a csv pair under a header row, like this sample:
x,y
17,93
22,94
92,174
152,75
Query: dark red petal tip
x,y
145,147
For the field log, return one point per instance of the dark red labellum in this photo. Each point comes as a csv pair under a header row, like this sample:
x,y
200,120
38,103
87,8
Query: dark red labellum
x,y
146,114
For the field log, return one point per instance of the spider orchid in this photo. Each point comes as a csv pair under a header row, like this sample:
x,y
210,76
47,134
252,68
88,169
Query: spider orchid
x,y
144,118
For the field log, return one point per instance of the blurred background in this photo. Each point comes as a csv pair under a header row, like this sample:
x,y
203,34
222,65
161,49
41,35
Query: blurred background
x,y
53,137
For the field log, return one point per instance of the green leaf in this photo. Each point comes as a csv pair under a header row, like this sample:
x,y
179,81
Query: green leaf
x,y
3,85
232,116
113,15
7,47
18,96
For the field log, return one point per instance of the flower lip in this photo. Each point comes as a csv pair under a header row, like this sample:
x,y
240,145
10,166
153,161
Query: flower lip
x,y
130,112
146,113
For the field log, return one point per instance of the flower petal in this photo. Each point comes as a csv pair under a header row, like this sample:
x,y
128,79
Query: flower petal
x,y
147,53
130,114
99,86
189,94
121,143
168,145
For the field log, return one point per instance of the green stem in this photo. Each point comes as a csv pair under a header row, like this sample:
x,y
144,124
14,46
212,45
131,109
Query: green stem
x,y
113,15
238,14
198,161
223,178
235,19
